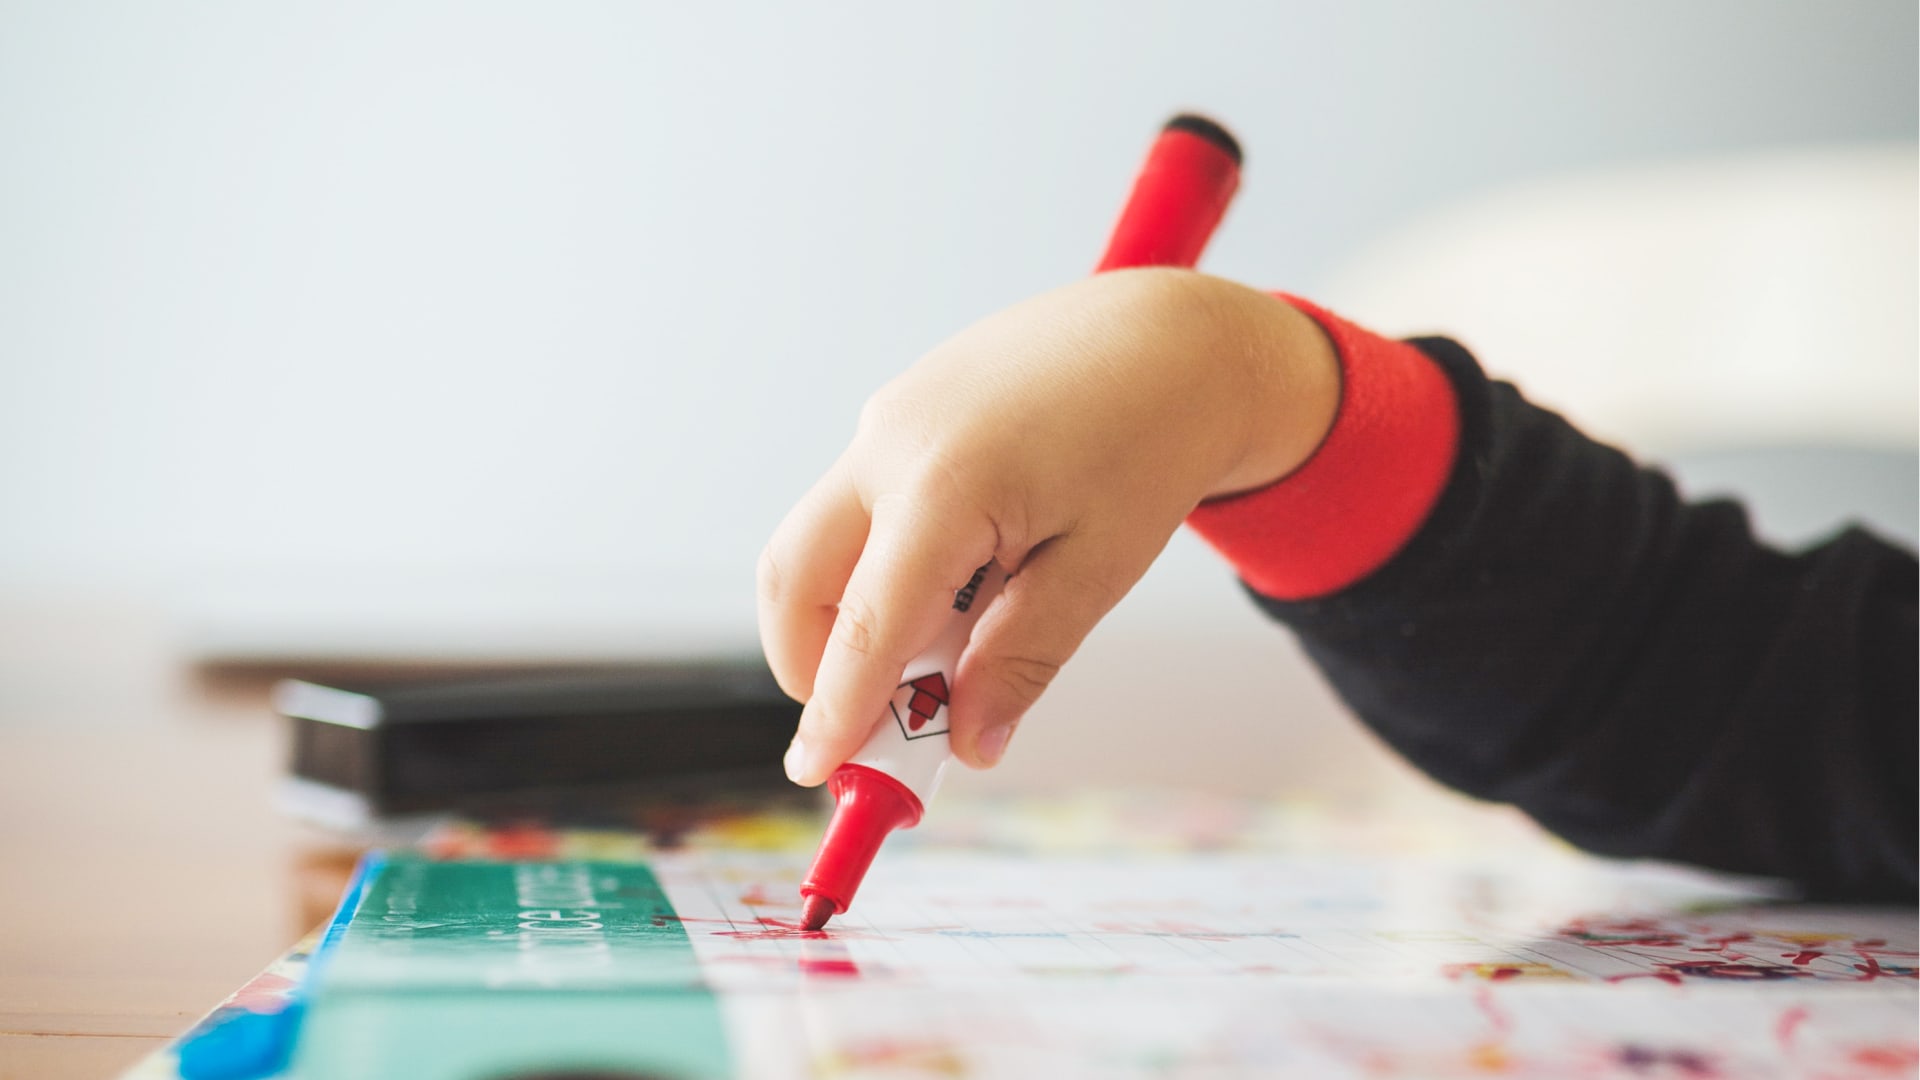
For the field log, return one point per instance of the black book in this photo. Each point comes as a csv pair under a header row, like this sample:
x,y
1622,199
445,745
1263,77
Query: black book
x,y
533,741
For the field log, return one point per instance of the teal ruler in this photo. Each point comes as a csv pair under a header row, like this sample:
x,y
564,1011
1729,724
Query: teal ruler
x,y
488,970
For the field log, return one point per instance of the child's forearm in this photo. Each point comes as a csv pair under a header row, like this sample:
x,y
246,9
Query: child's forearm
x,y
1563,633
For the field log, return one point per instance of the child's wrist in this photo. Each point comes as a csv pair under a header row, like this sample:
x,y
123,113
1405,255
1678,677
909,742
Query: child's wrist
x,y
1294,396
1354,502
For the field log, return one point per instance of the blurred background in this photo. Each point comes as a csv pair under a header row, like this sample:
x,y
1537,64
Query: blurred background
x,y
461,333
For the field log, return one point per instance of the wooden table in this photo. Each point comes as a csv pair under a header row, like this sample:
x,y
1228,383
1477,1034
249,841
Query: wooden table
x,y
147,875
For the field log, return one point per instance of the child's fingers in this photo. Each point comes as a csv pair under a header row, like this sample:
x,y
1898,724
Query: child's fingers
x,y
803,570
1063,589
898,594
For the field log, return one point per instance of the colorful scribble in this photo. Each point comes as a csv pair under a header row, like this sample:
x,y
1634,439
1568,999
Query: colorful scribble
x,y
1677,951
1505,971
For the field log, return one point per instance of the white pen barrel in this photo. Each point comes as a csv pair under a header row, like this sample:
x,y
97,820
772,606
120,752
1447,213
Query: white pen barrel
x,y
909,740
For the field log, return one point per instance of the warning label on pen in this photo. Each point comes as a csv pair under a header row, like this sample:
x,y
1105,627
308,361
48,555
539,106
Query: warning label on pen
x,y
920,706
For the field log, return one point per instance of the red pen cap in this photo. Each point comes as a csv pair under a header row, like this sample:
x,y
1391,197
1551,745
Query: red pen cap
x,y
1178,198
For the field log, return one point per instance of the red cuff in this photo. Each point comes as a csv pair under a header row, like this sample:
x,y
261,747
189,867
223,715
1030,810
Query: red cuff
x,y
1364,492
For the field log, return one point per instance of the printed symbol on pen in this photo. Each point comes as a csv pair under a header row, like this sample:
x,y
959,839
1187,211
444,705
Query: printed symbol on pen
x,y
916,703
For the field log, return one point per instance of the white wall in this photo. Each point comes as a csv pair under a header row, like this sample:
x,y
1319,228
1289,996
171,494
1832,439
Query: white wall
x,y
512,329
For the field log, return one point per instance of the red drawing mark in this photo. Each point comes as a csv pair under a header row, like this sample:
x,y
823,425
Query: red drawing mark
x,y
1870,967
1789,1025
1804,957
838,967
772,929
775,930
774,934
1892,1057
1489,972
1668,977
1722,944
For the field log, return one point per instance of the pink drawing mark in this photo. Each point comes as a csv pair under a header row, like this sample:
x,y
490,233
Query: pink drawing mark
x,y
1892,1058
832,967
1788,1026
1497,1018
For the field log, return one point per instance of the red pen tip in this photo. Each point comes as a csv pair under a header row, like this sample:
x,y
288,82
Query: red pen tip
x,y
868,805
816,912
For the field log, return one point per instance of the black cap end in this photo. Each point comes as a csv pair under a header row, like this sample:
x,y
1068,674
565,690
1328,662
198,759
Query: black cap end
x,y
1195,124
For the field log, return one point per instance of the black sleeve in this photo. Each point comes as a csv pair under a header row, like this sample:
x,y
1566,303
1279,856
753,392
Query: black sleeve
x,y
1637,673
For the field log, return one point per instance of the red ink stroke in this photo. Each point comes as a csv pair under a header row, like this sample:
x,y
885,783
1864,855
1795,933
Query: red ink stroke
x,y
1497,1017
830,967
775,930
1789,1025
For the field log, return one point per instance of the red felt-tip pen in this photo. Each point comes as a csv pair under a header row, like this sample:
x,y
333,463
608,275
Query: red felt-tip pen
x,y
1182,191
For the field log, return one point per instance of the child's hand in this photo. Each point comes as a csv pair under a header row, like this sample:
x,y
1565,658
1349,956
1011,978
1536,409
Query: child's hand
x,y
1066,437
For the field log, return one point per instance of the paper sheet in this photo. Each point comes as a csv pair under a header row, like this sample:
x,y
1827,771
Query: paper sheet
x,y
1224,965
1064,941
